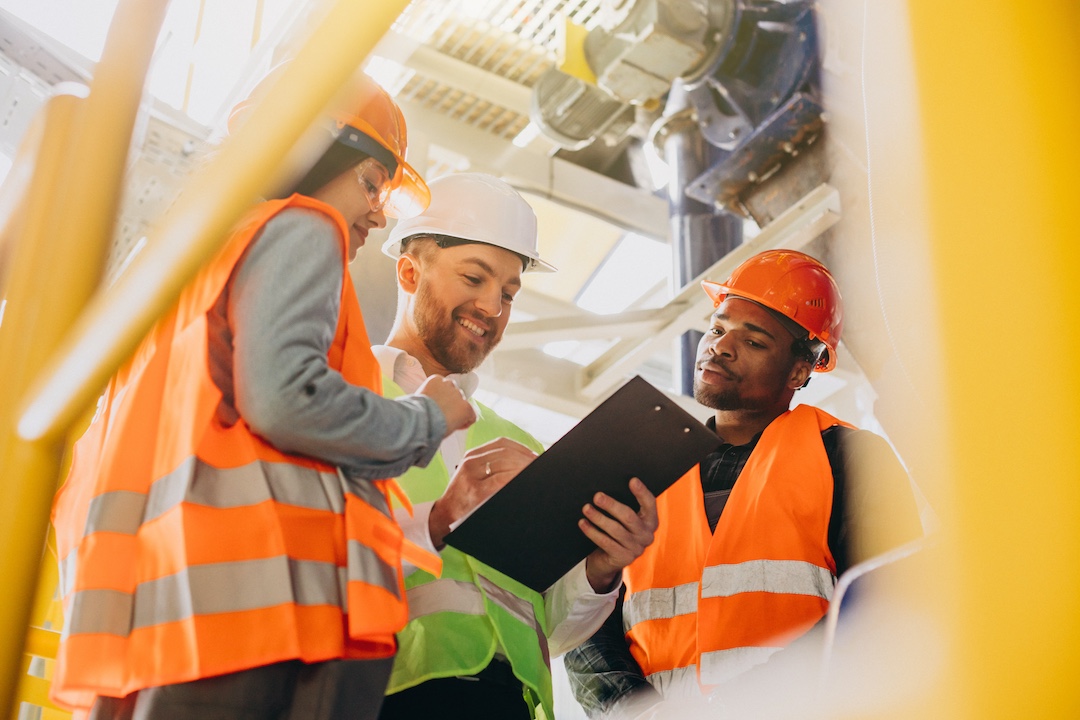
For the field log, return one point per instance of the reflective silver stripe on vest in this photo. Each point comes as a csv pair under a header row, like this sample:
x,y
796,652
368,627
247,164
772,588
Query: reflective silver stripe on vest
x,y
207,589
195,482
366,491
98,611
366,565
721,665
459,596
520,609
678,683
660,603
445,595
119,511
68,566
790,577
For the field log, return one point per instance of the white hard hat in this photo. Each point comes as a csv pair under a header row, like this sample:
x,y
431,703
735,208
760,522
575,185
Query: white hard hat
x,y
478,208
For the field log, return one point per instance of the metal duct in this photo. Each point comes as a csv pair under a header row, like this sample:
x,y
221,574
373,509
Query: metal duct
x,y
699,237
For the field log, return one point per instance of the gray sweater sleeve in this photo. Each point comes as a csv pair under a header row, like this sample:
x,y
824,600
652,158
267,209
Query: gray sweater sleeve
x,y
283,305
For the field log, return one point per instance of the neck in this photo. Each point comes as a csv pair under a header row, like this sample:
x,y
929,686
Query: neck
x,y
403,337
739,427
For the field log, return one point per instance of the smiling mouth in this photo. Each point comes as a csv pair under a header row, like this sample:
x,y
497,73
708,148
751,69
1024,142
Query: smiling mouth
x,y
472,327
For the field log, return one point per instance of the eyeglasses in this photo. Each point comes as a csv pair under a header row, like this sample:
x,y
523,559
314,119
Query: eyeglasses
x,y
375,182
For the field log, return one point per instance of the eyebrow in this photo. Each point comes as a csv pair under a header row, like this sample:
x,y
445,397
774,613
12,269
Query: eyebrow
x,y
516,282
749,326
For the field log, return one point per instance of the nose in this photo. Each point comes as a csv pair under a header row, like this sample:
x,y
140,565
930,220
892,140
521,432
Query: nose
x,y
489,300
378,218
718,345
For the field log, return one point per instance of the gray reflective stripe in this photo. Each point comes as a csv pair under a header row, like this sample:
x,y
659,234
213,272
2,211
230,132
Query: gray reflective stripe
x,y
519,608
678,683
660,603
99,611
235,586
120,511
68,566
168,491
459,596
123,511
208,589
315,583
366,491
792,577
445,595
366,565
722,665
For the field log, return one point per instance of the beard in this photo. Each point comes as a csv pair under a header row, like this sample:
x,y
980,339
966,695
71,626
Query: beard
x,y
727,399
437,327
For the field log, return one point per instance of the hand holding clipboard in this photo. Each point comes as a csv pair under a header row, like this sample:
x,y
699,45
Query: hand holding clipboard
x,y
529,531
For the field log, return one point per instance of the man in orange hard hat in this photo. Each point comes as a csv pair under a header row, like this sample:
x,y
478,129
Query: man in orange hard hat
x,y
226,542
750,542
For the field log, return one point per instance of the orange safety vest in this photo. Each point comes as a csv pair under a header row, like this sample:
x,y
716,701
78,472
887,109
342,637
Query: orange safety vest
x,y
703,606
190,547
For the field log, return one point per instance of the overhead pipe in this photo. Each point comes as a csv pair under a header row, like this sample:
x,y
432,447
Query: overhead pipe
x,y
699,236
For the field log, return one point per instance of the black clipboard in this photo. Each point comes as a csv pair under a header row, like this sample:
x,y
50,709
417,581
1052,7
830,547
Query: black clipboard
x,y
528,530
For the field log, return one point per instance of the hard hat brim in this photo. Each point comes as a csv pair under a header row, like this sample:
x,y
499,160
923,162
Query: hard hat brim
x,y
411,195
392,246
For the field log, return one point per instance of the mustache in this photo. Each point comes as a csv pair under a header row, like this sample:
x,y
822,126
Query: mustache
x,y
720,368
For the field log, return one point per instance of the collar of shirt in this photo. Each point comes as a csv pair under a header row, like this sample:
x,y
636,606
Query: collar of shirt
x,y
408,374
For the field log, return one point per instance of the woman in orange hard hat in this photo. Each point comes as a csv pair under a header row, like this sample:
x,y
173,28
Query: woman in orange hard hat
x,y
225,539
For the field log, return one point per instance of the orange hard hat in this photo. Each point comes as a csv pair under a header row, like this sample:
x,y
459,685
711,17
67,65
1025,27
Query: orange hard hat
x,y
795,285
366,118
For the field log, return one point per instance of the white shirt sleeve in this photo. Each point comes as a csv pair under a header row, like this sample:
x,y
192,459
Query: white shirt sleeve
x,y
415,528
575,610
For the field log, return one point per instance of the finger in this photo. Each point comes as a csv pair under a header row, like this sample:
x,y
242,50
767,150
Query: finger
x,y
623,513
615,529
617,555
646,500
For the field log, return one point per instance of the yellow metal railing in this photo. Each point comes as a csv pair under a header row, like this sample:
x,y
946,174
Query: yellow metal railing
x,y
60,245
70,211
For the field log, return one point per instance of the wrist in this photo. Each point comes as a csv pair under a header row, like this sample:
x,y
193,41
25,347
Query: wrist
x,y
602,578
438,526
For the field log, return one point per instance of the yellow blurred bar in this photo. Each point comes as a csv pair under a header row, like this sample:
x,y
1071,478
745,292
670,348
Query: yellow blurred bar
x,y
245,166
60,248
35,690
42,643
29,469
999,86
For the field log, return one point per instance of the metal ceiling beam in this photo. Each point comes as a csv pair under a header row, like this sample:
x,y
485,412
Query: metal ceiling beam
x,y
570,185
637,323
448,70
800,224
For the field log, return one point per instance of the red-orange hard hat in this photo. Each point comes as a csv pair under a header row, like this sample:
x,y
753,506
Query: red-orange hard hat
x,y
796,286
368,119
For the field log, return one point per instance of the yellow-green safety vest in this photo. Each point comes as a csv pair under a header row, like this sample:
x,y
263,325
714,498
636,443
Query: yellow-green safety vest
x,y
457,621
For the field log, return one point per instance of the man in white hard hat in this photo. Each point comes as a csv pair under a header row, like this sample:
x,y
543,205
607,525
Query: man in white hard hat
x,y
478,644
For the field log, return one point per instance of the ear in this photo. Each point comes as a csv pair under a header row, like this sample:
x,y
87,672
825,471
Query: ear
x,y
800,373
408,272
